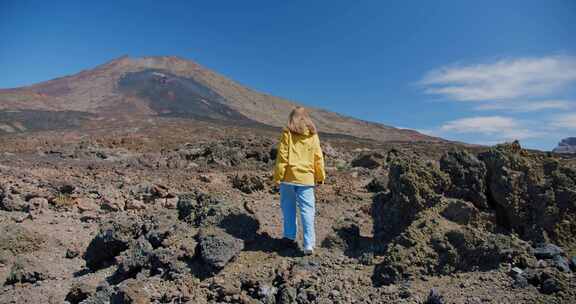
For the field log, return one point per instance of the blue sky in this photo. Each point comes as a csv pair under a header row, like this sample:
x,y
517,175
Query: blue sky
x,y
476,71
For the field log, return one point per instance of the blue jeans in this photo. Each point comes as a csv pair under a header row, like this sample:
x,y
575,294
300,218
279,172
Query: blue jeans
x,y
292,196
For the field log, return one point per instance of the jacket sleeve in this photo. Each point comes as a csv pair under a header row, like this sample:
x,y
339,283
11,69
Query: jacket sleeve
x,y
319,173
281,157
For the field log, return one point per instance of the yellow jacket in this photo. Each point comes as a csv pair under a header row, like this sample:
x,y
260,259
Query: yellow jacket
x,y
299,159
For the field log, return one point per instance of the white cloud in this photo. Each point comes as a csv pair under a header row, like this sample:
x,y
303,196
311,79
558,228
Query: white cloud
x,y
565,121
496,127
528,106
502,80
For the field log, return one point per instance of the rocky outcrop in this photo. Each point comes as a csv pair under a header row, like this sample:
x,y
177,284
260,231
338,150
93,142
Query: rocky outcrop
x,y
461,216
414,187
467,176
113,237
533,195
567,145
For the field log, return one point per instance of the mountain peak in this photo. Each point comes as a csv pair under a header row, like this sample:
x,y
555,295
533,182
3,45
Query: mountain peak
x,y
172,85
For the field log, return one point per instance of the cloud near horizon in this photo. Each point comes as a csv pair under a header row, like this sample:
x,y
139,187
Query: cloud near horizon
x,y
498,128
527,98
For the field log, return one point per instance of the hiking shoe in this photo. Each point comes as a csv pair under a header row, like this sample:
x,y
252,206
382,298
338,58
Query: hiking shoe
x,y
308,252
288,243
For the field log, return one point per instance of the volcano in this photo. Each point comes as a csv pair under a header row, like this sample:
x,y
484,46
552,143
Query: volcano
x,y
164,86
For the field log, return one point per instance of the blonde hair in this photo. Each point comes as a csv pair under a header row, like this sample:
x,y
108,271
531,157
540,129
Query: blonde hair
x,y
300,122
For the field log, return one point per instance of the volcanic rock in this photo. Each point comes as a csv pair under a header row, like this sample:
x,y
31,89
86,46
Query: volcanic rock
x,y
113,237
217,248
468,177
534,195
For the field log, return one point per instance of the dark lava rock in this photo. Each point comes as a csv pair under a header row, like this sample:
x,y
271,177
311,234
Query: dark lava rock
x,y
378,184
133,260
534,195
468,177
228,153
217,248
547,251
371,160
80,292
562,263
551,285
434,297
411,224
532,276
520,281
26,270
203,210
248,183
414,186
113,237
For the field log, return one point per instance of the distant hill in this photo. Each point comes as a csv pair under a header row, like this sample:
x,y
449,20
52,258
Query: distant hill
x,y
567,145
164,86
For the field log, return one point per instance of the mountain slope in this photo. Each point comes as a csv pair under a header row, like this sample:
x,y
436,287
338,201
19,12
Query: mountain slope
x,y
176,87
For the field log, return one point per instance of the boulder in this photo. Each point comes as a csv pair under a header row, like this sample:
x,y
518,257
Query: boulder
x,y
562,263
551,286
114,236
467,176
203,210
547,251
218,248
133,260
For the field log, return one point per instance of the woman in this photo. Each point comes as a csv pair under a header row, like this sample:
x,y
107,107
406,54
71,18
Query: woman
x,y
299,166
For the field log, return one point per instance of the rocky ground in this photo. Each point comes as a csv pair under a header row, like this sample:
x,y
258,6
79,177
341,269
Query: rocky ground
x,y
179,213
